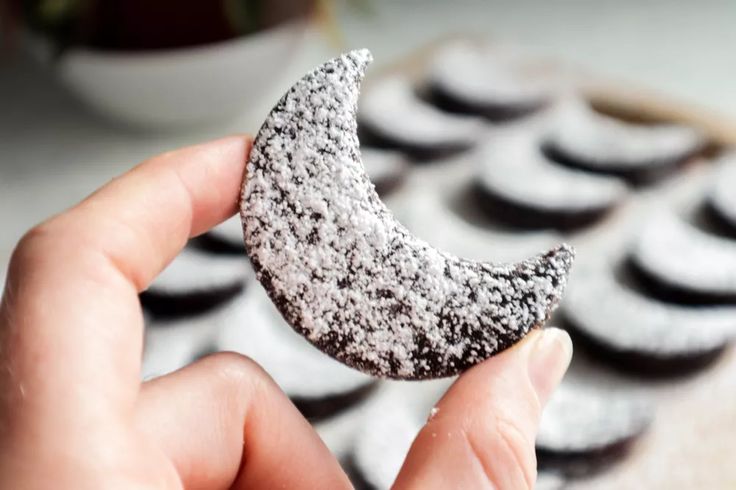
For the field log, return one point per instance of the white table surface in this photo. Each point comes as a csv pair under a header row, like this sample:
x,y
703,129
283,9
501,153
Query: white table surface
x,y
53,151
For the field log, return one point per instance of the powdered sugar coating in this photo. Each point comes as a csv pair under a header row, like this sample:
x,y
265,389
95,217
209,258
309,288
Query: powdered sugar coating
x,y
345,274
386,169
391,109
254,328
678,254
620,318
606,144
480,77
580,419
512,166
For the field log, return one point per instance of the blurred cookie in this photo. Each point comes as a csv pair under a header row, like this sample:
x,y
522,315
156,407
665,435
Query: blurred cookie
x,y
388,427
583,430
468,79
387,169
516,184
172,343
391,116
640,334
317,384
579,137
678,262
193,283
225,238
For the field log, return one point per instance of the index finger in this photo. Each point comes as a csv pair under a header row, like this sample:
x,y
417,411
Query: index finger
x,y
71,328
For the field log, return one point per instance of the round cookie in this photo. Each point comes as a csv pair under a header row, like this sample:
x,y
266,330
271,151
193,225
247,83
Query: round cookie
x,y
468,79
391,116
581,138
386,169
350,278
678,262
583,429
193,283
317,384
516,184
640,334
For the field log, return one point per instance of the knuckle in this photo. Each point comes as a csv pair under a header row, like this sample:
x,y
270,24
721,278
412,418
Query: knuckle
x,y
236,373
32,244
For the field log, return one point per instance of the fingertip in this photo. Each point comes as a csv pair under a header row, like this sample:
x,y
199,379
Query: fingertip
x,y
482,431
549,357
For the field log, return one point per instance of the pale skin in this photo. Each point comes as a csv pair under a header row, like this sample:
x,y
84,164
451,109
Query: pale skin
x,y
74,413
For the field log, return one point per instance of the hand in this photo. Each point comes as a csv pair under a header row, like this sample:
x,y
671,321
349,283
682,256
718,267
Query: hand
x,y
74,414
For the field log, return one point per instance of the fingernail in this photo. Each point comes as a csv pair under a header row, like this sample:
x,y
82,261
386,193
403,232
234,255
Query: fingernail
x,y
549,358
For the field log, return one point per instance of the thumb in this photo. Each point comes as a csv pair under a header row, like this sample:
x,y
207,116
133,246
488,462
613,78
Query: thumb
x,y
481,433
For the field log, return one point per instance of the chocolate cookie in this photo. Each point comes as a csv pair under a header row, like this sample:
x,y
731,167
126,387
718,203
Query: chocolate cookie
x,y
678,262
317,384
516,184
391,116
640,334
351,279
468,79
386,431
385,168
172,343
581,138
583,429
193,283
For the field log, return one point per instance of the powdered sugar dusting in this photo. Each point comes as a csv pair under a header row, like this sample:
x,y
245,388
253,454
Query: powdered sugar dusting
x,y
511,165
391,109
679,254
619,317
580,419
345,274
603,142
479,76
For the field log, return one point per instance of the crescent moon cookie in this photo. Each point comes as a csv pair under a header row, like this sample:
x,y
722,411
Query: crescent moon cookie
x,y
387,169
193,283
680,263
319,386
640,334
392,116
518,185
584,139
468,79
583,429
346,275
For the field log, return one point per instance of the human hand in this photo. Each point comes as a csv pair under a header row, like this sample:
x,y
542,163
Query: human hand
x,y
74,413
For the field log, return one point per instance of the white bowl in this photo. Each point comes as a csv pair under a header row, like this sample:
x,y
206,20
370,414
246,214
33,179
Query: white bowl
x,y
183,86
